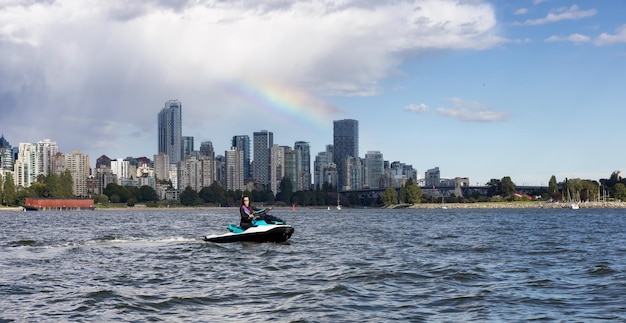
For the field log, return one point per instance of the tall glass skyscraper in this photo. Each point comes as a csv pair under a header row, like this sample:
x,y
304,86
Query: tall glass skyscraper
x,y
6,154
346,144
171,131
263,142
242,143
305,176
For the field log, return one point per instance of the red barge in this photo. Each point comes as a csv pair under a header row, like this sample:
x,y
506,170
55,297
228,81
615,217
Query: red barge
x,y
35,204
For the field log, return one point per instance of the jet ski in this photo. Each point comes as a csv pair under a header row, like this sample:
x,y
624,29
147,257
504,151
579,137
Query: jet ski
x,y
260,231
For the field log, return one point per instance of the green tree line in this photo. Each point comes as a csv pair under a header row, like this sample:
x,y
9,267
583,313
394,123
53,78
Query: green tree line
x,y
504,189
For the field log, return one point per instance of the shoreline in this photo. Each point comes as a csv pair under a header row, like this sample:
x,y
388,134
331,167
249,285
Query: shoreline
x,y
520,205
479,205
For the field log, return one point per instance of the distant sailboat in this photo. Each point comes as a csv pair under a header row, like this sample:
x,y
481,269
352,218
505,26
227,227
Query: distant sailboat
x,y
338,202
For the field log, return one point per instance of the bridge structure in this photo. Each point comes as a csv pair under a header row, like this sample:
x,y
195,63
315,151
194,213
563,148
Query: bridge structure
x,y
438,192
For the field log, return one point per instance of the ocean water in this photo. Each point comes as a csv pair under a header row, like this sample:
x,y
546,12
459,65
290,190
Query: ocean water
x,y
365,265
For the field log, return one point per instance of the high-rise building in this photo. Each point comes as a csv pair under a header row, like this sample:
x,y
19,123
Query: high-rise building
x,y
277,166
432,177
346,145
354,172
26,164
242,143
188,146
374,168
293,168
45,150
121,168
78,165
6,155
321,162
206,149
190,174
161,166
234,169
103,162
170,131
305,165
263,142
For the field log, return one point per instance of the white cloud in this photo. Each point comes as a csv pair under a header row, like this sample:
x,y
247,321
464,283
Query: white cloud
x,y
571,13
471,111
609,39
575,38
417,108
521,11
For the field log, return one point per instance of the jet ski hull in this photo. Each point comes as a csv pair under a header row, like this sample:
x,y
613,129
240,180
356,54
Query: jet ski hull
x,y
265,233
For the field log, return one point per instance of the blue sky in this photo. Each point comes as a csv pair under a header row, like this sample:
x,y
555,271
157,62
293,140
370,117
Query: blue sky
x,y
480,89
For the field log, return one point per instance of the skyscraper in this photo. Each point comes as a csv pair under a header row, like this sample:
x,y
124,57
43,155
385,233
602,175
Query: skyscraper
x,y
188,146
242,143
234,169
263,142
206,149
6,155
374,167
322,161
170,131
346,144
26,164
46,149
78,165
305,167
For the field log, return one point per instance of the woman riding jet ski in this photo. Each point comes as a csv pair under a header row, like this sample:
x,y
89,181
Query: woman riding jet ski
x,y
256,225
249,212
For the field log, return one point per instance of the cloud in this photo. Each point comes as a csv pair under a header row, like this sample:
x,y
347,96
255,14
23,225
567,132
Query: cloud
x,y
608,39
521,11
575,38
113,64
571,13
416,108
471,111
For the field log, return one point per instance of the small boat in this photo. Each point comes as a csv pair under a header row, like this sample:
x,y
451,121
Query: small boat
x,y
574,206
261,231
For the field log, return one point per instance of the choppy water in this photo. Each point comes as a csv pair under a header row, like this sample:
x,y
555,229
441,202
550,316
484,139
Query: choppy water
x,y
339,266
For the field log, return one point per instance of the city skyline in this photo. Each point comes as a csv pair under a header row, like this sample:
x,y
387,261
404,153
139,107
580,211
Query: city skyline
x,y
481,89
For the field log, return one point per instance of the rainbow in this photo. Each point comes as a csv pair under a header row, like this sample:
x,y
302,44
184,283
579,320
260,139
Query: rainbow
x,y
282,102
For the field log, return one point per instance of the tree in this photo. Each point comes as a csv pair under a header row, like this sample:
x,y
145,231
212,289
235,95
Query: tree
x,y
412,192
493,187
390,196
9,193
553,189
112,190
102,199
148,194
214,193
131,201
402,196
286,190
66,184
619,191
189,196
507,187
